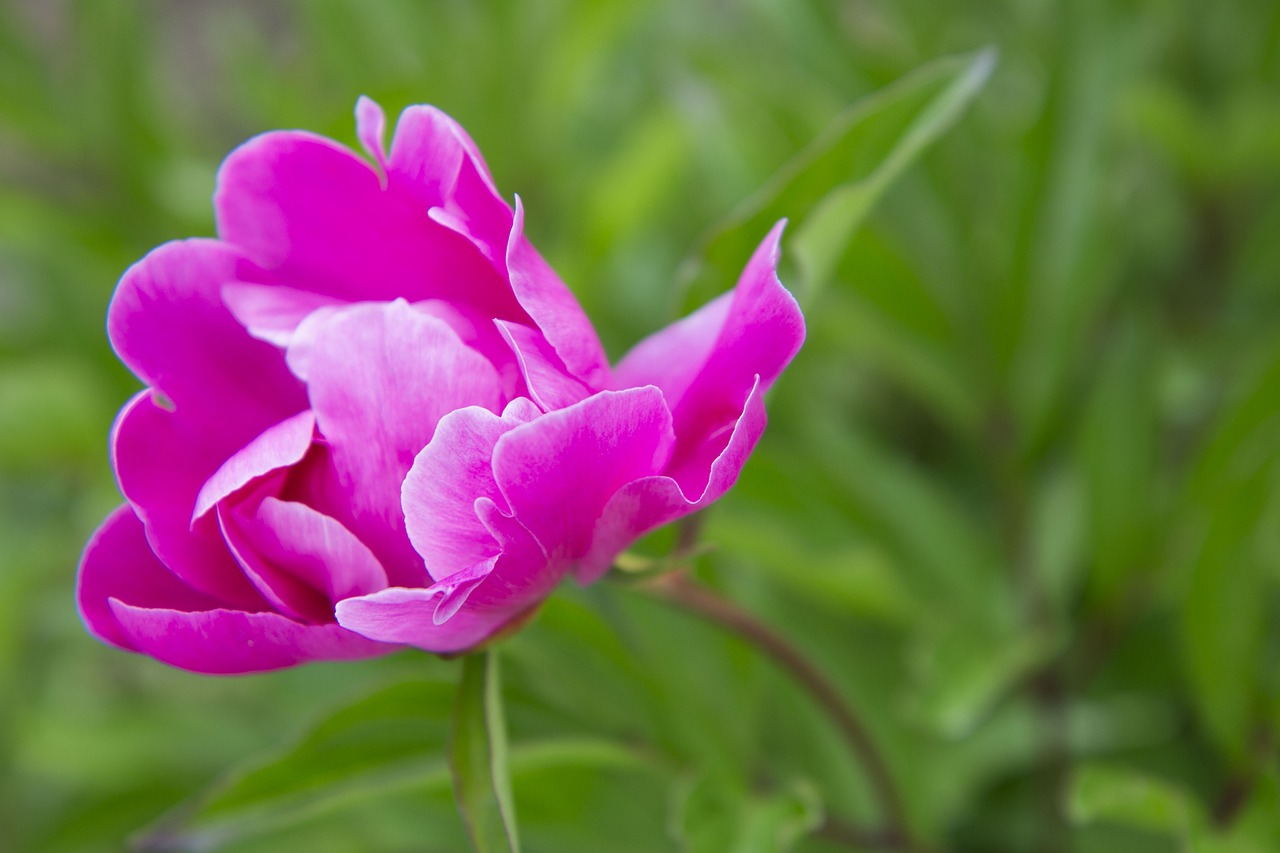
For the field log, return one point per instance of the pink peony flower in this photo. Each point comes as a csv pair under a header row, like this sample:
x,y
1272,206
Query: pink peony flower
x,y
376,417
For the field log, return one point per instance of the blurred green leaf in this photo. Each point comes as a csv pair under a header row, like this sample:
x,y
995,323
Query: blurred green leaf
x,y
830,187
1116,794
707,817
478,756
390,739
825,231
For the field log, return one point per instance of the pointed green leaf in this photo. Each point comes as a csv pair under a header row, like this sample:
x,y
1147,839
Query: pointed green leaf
x,y
830,187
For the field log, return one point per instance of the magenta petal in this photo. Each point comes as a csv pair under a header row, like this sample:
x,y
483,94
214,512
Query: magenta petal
x,y
558,472
761,331
447,477
313,548
509,586
270,312
119,563
651,502
225,642
380,377
316,216
168,324
432,157
553,308
549,384
278,447
161,464
371,124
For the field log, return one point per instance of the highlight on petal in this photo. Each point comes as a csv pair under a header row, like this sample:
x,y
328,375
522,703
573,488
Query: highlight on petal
x,y
549,384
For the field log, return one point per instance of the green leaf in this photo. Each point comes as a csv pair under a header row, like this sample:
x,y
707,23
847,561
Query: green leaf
x,y
1114,794
830,187
821,238
387,741
478,757
707,817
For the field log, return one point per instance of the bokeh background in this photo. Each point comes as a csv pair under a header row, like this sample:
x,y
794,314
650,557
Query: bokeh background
x,y
1019,495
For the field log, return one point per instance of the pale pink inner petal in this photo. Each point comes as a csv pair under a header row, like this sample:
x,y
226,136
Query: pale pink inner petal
x,y
447,477
380,378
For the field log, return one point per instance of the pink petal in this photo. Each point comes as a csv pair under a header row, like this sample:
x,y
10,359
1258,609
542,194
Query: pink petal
x,y
371,125
380,377
118,563
168,324
549,384
755,335
312,548
558,471
447,477
271,312
554,310
509,587
650,502
279,446
224,642
434,159
317,216
161,461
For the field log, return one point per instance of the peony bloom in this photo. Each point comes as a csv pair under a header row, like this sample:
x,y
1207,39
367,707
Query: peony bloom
x,y
376,417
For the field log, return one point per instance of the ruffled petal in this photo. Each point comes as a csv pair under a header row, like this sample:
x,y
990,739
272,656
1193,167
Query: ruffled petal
x,y
317,217
118,563
448,476
650,502
755,335
380,378
558,471
464,610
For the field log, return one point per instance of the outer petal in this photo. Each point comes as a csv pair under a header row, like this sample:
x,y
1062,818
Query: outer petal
x,y
510,587
756,334
224,642
168,324
380,377
161,461
118,563
317,215
650,502
447,478
558,472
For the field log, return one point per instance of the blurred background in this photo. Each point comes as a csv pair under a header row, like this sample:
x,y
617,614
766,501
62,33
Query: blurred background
x,y
1019,494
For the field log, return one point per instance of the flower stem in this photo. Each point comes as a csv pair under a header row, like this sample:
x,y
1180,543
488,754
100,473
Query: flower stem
x,y
676,588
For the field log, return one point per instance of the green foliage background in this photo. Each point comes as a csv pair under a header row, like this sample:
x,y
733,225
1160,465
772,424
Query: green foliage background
x,y
1020,493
